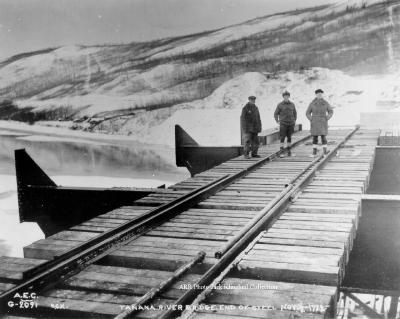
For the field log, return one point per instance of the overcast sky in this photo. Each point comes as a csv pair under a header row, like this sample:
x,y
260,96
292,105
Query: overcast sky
x,y
28,25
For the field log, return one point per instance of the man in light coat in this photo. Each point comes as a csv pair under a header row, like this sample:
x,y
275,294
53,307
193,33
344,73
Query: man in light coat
x,y
250,122
319,112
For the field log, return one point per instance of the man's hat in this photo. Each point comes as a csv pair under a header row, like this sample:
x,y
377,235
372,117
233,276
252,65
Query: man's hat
x,y
252,97
286,93
318,91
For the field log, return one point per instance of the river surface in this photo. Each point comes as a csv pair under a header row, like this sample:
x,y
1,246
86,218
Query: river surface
x,y
73,161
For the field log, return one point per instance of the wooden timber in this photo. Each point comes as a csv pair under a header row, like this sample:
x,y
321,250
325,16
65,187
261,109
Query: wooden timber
x,y
303,253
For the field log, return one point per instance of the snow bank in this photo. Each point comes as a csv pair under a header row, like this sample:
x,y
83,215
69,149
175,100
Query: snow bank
x,y
214,120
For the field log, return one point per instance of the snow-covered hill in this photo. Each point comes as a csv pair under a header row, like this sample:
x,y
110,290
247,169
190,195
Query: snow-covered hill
x,y
202,80
214,120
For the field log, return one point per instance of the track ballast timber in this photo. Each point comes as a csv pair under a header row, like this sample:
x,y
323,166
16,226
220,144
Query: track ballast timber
x,y
301,257
47,274
216,221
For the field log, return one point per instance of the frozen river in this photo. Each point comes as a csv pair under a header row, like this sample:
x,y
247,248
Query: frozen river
x,y
73,161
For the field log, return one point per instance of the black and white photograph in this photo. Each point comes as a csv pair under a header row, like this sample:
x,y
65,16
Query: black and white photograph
x,y
209,159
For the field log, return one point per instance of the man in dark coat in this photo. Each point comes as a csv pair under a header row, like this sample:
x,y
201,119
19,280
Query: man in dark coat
x,y
319,112
251,125
286,115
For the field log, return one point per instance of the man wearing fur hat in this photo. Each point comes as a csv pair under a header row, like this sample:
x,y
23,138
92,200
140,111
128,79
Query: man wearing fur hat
x,y
286,115
319,112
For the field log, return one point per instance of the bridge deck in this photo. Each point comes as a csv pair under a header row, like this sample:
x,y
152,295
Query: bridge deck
x,y
305,252
301,258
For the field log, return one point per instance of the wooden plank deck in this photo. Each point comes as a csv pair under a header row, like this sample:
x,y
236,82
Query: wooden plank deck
x,y
304,252
308,246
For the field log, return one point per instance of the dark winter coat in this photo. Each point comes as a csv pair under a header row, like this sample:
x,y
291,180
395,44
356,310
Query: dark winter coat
x,y
319,112
250,119
286,113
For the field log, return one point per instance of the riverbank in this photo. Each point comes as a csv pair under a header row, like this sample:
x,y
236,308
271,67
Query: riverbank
x,y
66,132
62,134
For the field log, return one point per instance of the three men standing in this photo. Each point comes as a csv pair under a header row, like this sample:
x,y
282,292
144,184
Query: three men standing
x,y
251,125
286,116
319,112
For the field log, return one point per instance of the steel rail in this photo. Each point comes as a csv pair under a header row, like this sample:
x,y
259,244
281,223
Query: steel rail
x,y
252,222
63,266
230,178
79,257
320,164
163,286
190,295
288,187
147,216
186,314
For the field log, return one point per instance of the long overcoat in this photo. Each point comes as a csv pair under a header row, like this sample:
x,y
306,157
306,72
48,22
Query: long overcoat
x,y
250,119
319,112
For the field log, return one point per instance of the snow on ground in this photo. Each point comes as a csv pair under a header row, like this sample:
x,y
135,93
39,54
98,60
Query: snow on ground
x,y
214,120
306,25
236,32
44,138
14,236
344,5
54,130
10,133
38,64
21,69
73,51
11,241
95,103
130,88
233,33
102,102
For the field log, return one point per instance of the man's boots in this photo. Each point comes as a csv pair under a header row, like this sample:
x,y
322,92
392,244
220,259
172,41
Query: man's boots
x,y
314,152
326,151
289,153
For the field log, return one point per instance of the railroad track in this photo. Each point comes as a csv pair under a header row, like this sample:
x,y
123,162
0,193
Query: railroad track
x,y
158,251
